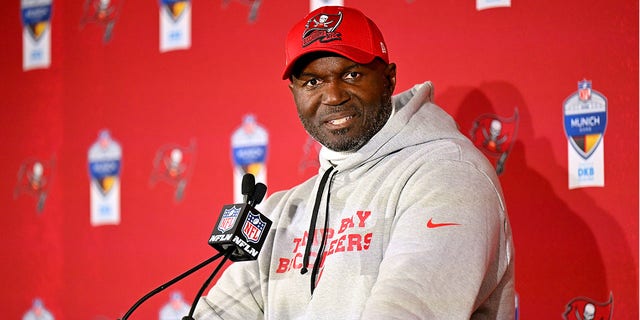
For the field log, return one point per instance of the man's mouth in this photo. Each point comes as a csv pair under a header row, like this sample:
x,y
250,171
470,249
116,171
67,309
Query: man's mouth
x,y
340,121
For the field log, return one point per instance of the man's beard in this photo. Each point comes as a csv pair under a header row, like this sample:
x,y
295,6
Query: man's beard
x,y
373,120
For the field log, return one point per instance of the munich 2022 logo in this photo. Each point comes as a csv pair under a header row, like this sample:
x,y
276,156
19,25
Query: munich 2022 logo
x,y
585,119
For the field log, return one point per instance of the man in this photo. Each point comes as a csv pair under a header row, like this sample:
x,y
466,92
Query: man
x,y
405,219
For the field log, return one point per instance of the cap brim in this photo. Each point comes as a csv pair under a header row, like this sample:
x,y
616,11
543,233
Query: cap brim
x,y
348,52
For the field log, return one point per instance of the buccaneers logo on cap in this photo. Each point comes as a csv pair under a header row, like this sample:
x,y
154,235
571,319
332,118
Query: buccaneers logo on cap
x,y
322,28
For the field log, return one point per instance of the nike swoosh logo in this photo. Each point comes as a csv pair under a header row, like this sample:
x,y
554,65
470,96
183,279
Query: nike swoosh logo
x,y
431,224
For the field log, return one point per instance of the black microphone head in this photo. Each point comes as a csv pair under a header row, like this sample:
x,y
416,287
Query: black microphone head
x,y
248,184
259,193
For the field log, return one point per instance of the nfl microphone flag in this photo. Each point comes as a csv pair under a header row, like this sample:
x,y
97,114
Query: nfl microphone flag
x,y
243,227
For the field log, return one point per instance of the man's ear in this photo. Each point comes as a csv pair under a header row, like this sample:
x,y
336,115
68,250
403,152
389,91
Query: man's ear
x,y
390,74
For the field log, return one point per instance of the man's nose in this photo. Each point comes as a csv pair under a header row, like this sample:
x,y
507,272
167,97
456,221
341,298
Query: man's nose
x,y
334,94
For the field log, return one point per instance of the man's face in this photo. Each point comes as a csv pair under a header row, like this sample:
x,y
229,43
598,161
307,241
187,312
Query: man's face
x,y
341,103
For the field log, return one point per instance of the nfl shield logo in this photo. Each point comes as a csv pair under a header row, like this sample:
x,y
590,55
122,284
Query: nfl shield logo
x,y
584,90
253,227
228,219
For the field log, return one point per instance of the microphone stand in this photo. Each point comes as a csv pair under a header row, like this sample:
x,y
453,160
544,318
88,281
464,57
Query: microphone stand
x,y
253,194
227,254
252,198
172,281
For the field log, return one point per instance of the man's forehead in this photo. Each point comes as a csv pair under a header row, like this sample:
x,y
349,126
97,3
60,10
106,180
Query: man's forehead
x,y
327,66
307,59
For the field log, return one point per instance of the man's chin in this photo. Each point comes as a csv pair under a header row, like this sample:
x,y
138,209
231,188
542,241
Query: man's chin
x,y
344,145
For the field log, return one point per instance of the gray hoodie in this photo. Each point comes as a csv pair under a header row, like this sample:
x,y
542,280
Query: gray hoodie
x,y
417,228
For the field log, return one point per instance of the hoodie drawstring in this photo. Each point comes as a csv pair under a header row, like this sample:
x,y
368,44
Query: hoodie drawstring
x,y
312,230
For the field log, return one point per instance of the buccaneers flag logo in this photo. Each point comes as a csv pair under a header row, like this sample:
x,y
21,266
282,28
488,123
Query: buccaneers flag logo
x,y
495,135
586,309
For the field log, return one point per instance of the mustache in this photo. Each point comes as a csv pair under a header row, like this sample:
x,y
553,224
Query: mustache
x,y
329,110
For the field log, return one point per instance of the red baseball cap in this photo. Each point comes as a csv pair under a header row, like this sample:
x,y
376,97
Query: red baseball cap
x,y
341,30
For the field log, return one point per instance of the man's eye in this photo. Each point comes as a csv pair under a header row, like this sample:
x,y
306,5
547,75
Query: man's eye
x,y
311,83
352,75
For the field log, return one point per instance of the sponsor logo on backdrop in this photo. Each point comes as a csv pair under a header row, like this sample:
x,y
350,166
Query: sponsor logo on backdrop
x,y
36,33
249,144
495,135
173,164
175,308
34,179
315,4
175,8
490,4
105,163
583,308
175,25
103,13
38,311
585,121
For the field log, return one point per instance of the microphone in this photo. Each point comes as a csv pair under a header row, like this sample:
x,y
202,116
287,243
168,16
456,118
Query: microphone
x,y
248,186
259,193
238,235
240,231
241,227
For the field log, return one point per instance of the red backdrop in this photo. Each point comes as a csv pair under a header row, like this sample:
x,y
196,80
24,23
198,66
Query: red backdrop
x,y
569,243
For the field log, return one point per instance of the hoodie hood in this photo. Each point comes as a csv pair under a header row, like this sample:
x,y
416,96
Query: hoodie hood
x,y
416,120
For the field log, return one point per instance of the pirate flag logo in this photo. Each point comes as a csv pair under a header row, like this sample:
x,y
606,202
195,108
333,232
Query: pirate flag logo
x,y
174,164
322,27
586,309
34,178
254,6
585,119
495,135
310,152
103,12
